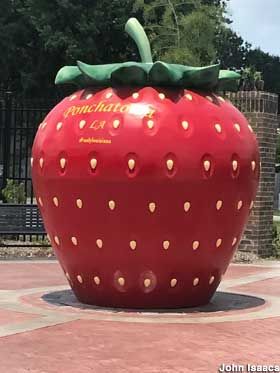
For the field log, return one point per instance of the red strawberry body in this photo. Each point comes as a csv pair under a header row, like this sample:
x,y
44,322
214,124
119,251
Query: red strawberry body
x,y
146,197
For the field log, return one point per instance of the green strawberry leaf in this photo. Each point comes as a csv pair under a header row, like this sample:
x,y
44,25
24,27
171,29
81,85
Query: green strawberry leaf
x,y
147,73
71,75
98,74
131,73
201,77
228,80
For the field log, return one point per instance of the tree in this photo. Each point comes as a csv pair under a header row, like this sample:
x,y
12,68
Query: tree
x,y
41,36
269,66
17,44
231,49
182,31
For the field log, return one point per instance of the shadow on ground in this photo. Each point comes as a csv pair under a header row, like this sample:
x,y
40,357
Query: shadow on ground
x,y
221,302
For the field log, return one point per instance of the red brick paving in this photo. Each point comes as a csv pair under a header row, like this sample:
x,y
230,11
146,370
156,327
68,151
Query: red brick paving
x,y
7,317
237,271
270,287
84,346
101,347
30,275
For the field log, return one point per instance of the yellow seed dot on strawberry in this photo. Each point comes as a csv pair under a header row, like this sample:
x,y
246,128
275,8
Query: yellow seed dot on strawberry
x,y
218,128
187,206
237,127
219,204
196,281
96,280
189,96
59,126
212,278
41,162
62,163
166,245
80,279
135,95
218,242
150,124
185,124
147,282
93,163
55,201
234,241
99,243
56,240
234,165
161,96
82,124
170,164
239,205
195,245
116,123
74,241
206,165
121,281
132,245
79,203
112,205
173,282
131,164
253,165
152,207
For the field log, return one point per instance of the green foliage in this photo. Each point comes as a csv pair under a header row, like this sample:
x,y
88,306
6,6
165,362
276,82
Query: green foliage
x,y
235,53
276,241
251,79
278,148
40,36
182,31
231,49
14,192
18,43
269,66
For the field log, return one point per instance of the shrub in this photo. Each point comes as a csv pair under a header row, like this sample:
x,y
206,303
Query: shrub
x,y
14,192
276,241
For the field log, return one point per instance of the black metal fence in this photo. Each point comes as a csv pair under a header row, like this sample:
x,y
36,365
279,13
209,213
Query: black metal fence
x,y
19,119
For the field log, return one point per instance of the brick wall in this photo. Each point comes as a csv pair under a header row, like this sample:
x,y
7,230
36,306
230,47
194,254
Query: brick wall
x,y
261,109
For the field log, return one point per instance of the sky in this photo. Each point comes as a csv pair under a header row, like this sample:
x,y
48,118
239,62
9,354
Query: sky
x,y
258,22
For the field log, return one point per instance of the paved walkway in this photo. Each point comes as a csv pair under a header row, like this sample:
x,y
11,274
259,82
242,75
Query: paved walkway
x,y
43,329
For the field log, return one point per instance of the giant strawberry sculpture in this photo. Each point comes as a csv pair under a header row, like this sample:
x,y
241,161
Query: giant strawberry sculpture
x,y
145,179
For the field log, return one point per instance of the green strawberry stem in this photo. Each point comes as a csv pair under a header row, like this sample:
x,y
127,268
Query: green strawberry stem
x,y
138,34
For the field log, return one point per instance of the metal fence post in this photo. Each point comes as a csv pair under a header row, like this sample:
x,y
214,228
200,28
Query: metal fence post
x,y
7,135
